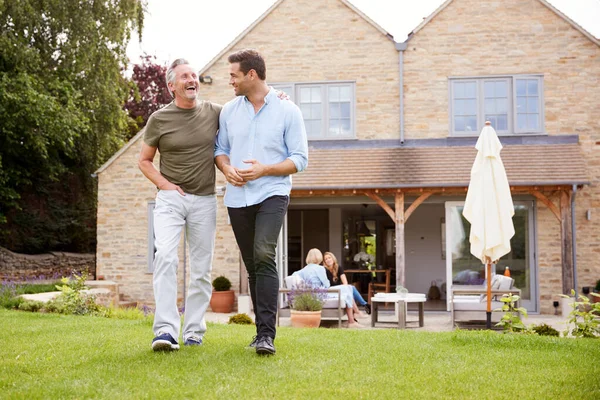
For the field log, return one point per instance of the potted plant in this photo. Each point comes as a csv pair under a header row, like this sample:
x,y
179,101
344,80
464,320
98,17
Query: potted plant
x,y
223,297
596,299
306,304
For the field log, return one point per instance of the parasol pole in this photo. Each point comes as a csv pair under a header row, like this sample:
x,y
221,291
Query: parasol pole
x,y
488,268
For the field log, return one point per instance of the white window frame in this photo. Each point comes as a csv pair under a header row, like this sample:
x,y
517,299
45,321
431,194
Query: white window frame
x,y
512,103
293,90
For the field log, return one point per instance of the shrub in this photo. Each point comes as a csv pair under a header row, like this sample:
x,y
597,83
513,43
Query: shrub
x,y
31,305
305,297
12,303
545,330
583,317
73,301
241,319
221,284
511,320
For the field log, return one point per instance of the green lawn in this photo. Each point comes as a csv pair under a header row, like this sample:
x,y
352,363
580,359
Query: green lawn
x,y
57,356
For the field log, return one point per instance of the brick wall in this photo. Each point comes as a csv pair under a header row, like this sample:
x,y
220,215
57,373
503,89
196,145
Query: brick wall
x,y
476,38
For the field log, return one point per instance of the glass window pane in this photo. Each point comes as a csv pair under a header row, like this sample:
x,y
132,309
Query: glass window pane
x,y
521,87
315,111
532,105
315,95
471,124
488,89
501,89
334,126
334,94
305,95
502,106
345,127
345,93
345,110
490,106
502,123
492,120
532,87
459,124
316,127
471,90
471,107
459,107
532,121
522,121
334,110
305,108
521,104
459,90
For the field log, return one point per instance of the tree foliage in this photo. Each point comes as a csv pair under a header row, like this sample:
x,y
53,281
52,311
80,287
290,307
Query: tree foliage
x,y
148,91
61,115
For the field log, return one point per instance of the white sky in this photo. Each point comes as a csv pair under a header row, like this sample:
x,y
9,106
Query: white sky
x,y
199,29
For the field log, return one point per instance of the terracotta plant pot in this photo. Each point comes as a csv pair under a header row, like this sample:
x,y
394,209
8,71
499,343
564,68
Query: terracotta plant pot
x,y
305,319
222,302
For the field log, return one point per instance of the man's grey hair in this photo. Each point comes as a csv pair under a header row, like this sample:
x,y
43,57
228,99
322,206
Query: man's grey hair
x,y
170,75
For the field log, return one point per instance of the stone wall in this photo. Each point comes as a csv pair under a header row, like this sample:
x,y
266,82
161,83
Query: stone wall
x,y
22,267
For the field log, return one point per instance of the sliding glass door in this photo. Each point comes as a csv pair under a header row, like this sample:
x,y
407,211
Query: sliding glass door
x,y
462,268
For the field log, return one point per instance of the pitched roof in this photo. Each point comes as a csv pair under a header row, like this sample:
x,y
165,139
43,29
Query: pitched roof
x,y
264,15
418,167
544,2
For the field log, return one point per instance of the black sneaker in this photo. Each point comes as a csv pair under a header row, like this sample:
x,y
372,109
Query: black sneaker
x,y
253,342
164,342
368,309
264,346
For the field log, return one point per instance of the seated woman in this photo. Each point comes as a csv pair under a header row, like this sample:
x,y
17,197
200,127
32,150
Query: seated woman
x,y
314,274
336,276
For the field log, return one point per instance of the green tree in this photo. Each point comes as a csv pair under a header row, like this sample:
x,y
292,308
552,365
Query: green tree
x,y
61,114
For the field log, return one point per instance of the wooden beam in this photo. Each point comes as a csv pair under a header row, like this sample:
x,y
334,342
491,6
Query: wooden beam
x,y
540,196
400,259
382,204
416,204
566,242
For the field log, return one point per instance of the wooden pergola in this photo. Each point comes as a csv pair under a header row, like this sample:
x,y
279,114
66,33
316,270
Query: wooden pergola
x,y
400,214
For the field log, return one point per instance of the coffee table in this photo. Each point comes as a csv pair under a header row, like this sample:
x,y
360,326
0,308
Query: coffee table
x,y
400,301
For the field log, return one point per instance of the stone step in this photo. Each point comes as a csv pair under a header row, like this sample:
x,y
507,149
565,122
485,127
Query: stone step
x,y
127,304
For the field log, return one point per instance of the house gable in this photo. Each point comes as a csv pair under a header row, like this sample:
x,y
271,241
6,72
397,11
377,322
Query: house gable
x,y
320,42
472,38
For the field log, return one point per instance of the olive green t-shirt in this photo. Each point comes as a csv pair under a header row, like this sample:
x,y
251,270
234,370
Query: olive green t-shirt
x,y
185,139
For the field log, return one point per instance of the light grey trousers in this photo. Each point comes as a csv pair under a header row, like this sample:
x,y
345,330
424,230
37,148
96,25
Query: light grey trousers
x,y
199,215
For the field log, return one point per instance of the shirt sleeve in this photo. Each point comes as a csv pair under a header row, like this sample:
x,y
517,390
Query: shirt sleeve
x,y
295,139
323,277
152,132
222,146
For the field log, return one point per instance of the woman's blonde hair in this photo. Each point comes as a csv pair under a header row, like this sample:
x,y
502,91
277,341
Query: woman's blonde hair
x,y
314,256
334,268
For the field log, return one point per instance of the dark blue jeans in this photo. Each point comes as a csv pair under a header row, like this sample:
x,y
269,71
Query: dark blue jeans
x,y
256,229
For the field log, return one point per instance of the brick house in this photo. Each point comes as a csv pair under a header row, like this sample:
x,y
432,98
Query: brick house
x,y
392,128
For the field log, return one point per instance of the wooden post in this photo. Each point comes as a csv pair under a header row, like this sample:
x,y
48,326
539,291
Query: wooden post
x,y
565,240
399,211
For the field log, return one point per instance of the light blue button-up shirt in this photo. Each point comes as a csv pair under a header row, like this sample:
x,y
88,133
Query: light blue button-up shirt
x,y
276,132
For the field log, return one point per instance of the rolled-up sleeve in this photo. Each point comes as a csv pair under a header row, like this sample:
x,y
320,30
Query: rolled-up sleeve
x,y
295,139
222,146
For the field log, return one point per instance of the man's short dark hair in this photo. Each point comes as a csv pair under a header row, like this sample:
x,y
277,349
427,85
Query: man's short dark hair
x,y
249,59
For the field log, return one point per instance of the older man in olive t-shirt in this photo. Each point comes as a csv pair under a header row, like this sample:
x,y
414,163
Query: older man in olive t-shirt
x,y
184,133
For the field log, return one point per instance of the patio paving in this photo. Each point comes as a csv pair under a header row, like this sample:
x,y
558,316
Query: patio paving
x,y
435,321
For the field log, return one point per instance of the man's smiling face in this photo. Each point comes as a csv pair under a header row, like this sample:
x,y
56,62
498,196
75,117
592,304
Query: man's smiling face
x,y
186,82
